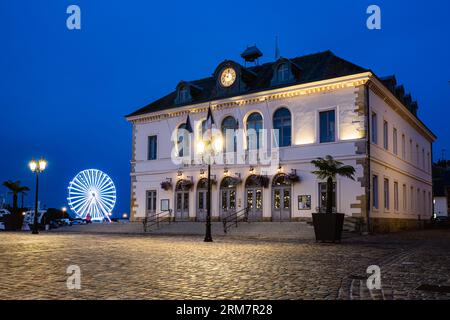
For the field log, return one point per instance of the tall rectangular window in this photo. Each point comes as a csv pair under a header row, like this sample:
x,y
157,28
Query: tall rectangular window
x,y
410,151
418,208
411,209
403,147
386,194
430,205
404,198
375,191
374,128
428,162
417,155
152,147
424,199
396,196
151,201
327,126
423,159
394,141
385,135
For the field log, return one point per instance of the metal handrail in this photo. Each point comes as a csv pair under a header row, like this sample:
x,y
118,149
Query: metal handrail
x,y
233,218
156,219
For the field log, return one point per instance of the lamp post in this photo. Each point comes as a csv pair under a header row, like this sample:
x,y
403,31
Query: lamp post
x,y
37,167
213,145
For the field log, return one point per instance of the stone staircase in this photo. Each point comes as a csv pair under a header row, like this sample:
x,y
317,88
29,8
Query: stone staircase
x,y
261,230
352,224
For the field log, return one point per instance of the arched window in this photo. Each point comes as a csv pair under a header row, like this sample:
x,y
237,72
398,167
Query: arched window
x,y
282,125
254,127
183,140
229,127
283,72
203,129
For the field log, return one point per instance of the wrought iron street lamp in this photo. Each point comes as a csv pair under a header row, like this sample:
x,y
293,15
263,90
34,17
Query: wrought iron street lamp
x,y
37,167
212,146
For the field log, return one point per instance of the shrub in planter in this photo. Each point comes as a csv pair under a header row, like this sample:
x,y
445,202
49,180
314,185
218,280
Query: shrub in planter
x,y
328,225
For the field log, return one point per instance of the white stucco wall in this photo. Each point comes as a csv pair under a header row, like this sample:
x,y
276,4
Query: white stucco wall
x,y
397,168
305,147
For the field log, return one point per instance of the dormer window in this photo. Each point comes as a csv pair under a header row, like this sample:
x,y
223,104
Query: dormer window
x,y
283,72
184,94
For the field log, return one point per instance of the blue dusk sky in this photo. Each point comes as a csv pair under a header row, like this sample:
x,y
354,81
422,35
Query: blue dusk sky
x,y
64,93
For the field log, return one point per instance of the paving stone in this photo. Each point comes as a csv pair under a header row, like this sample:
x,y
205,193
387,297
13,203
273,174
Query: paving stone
x,y
127,266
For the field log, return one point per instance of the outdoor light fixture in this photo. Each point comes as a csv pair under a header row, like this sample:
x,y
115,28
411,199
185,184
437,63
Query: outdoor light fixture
x,y
201,147
226,172
124,216
252,169
63,209
179,173
217,143
37,167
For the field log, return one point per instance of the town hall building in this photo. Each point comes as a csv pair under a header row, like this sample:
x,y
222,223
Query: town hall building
x,y
300,109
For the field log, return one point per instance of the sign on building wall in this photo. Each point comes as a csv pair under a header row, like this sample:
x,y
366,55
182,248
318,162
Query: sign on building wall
x,y
304,202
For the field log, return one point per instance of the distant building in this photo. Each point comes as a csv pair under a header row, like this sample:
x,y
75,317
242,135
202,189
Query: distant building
x,y
441,189
320,105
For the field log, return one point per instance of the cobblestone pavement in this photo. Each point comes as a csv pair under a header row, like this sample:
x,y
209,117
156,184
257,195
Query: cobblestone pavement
x,y
175,267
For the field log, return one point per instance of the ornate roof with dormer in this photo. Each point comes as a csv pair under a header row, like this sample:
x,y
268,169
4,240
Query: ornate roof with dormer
x,y
313,67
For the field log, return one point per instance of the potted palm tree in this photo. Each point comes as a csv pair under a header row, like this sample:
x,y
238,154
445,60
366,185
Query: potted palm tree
x,y
328,225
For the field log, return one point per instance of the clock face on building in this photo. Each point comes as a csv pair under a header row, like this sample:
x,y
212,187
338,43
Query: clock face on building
x,y
227,77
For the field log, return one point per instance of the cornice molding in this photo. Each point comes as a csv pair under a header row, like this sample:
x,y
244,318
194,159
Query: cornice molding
x,y
258,97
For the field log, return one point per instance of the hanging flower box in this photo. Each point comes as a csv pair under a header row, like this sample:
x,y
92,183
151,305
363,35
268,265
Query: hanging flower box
x,y
186,184
166,185
292,177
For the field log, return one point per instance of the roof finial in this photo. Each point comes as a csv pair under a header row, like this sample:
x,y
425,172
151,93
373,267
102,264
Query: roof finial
x,y
277,50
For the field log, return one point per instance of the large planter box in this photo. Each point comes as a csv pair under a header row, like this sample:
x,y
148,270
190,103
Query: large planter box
x,y
328,226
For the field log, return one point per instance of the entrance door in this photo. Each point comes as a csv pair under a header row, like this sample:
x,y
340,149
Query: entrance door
x,y
202,204
254,203
227,201
281,209
151,202
182,205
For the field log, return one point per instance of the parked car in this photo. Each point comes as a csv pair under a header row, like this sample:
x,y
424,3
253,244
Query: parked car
x,y
441,219
54,224
441,222
2,226
78,221
63,222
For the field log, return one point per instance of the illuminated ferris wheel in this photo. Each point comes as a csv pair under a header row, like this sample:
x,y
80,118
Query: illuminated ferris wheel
x,y
92,192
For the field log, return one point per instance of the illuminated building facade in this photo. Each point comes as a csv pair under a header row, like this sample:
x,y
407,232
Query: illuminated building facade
x,y
319,105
